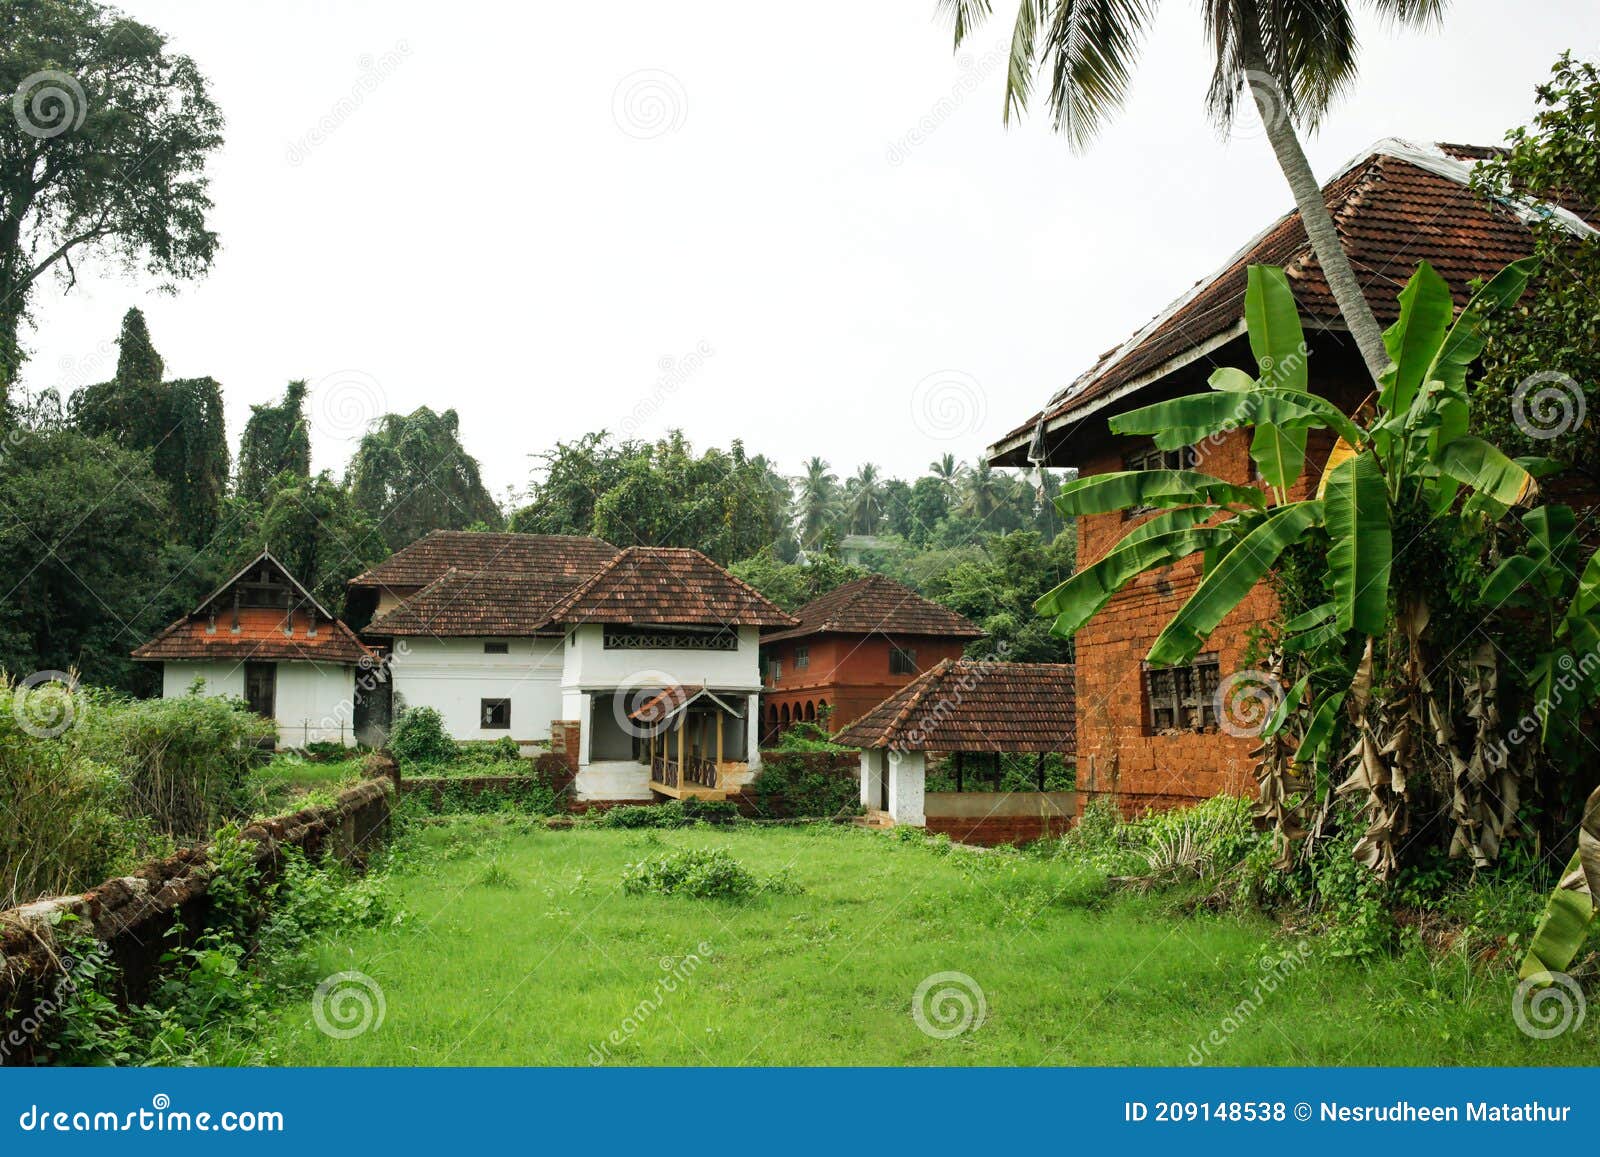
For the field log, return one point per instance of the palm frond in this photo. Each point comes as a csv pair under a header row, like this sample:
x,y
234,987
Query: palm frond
x,y
965,16
1092,46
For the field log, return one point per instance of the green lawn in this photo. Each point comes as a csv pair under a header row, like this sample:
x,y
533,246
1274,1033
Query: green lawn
x,y
521,948
289,782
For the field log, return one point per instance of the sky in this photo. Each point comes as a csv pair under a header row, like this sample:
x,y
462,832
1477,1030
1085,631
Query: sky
x,y
804,227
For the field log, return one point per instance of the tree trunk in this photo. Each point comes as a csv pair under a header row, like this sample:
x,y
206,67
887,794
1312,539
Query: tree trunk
x,y
1317,220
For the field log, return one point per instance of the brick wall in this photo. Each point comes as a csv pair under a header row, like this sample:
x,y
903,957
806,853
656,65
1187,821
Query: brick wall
x,y
989,831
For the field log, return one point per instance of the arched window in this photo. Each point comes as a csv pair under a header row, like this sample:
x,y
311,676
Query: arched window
x,y
811,712
785,716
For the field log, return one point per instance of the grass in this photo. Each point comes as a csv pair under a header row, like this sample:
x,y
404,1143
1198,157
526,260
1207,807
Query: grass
x,y
523,948
289,783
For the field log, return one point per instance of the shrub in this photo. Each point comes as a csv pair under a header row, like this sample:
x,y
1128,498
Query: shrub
x,y
522,796
704,873
418,736
802,783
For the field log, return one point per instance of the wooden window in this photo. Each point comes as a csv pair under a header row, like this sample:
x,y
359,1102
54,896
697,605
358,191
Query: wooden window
x,y
495,714
1182,698
775,670
802,658
497,648
902,661
1153,459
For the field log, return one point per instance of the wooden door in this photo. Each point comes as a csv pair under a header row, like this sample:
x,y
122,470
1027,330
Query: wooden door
x,y
883,781
261,688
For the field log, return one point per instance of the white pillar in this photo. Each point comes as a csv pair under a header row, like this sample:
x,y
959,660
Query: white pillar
x,y
752,736
869,793
907,780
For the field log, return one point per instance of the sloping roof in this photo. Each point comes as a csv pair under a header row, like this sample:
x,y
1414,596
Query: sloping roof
x,y
1394,207
477,603
664,585
876,604
666,704
556,555
975,705
260,639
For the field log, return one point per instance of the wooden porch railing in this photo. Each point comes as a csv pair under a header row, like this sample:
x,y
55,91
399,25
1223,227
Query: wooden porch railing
x,y
698,770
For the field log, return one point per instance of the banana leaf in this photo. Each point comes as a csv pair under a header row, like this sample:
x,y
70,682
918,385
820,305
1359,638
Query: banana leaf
x,y
1478,465
1226,585
1416,338
1464,342
1273,321
1565,923
1120,490
1319,732
1082,596
1360,544
1184,421
1506,580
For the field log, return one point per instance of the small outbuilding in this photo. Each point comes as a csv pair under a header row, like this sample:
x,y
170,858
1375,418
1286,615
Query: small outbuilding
x,y
968,714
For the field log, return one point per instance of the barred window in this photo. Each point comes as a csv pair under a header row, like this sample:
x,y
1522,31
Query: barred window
x,y
802,658
496,648
1182,698
495,714
1183,459
685,639
902,661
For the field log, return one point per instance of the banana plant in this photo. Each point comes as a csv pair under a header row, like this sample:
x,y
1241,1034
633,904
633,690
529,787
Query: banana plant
x,y
1412,451
1572,906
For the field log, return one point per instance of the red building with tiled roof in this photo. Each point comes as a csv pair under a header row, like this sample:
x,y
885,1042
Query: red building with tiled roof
x,y
852,648
261,636
1152,736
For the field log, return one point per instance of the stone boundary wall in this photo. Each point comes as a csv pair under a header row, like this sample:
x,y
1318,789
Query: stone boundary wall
x,y
991,818
130,916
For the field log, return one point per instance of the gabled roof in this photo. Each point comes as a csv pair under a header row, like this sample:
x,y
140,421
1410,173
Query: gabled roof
x,y
573,557
664,706
207,633
1394,207
975,705
877,605
477,603
664,585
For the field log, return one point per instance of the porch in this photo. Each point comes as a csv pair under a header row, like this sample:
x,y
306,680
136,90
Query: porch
x,y
690,746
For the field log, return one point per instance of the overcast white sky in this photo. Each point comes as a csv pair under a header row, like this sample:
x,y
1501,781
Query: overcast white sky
x,y
538,213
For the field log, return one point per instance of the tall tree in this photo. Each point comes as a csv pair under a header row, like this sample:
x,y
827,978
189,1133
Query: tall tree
x,y
180,424
863,500
314,527
411,475
102,151
947,469
1292,58
277,440
818,502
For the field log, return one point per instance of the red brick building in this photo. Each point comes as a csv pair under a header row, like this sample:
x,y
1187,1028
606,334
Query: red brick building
x,y
855,646
1152,736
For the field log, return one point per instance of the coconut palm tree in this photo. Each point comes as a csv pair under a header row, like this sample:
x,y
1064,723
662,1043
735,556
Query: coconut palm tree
x,y
863,500
819,500
1293,58
947,470
984,492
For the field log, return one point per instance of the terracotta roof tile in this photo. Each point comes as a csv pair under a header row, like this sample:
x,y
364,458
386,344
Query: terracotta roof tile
x,y
664,585
477,603
1392,213
975,705
260,639
876,604
572,557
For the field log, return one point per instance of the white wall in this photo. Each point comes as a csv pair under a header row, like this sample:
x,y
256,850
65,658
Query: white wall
x,y
313,699
452,675
589,666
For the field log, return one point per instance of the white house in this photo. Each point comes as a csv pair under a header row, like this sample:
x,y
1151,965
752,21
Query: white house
x,y
652,652
262,637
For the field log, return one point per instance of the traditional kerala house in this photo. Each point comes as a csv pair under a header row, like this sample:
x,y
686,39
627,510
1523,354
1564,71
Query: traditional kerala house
x,y
572,638
1159,736
969,714
262,637
853,647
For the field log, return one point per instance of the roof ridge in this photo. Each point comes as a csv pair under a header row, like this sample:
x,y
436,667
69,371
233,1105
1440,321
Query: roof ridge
x,y
933,675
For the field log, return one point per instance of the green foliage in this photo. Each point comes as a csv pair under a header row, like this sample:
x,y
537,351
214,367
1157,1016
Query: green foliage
x,y
703,873
1545,354
80,600
315,528
524,796
276,440
118,172
418,736
812,783
673,813
793,584
411,475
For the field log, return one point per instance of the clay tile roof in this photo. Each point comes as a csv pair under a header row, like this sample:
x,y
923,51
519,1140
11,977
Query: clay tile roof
x,y
975,705
876,604
1395,207
477,603
260,639
557,555
666,585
